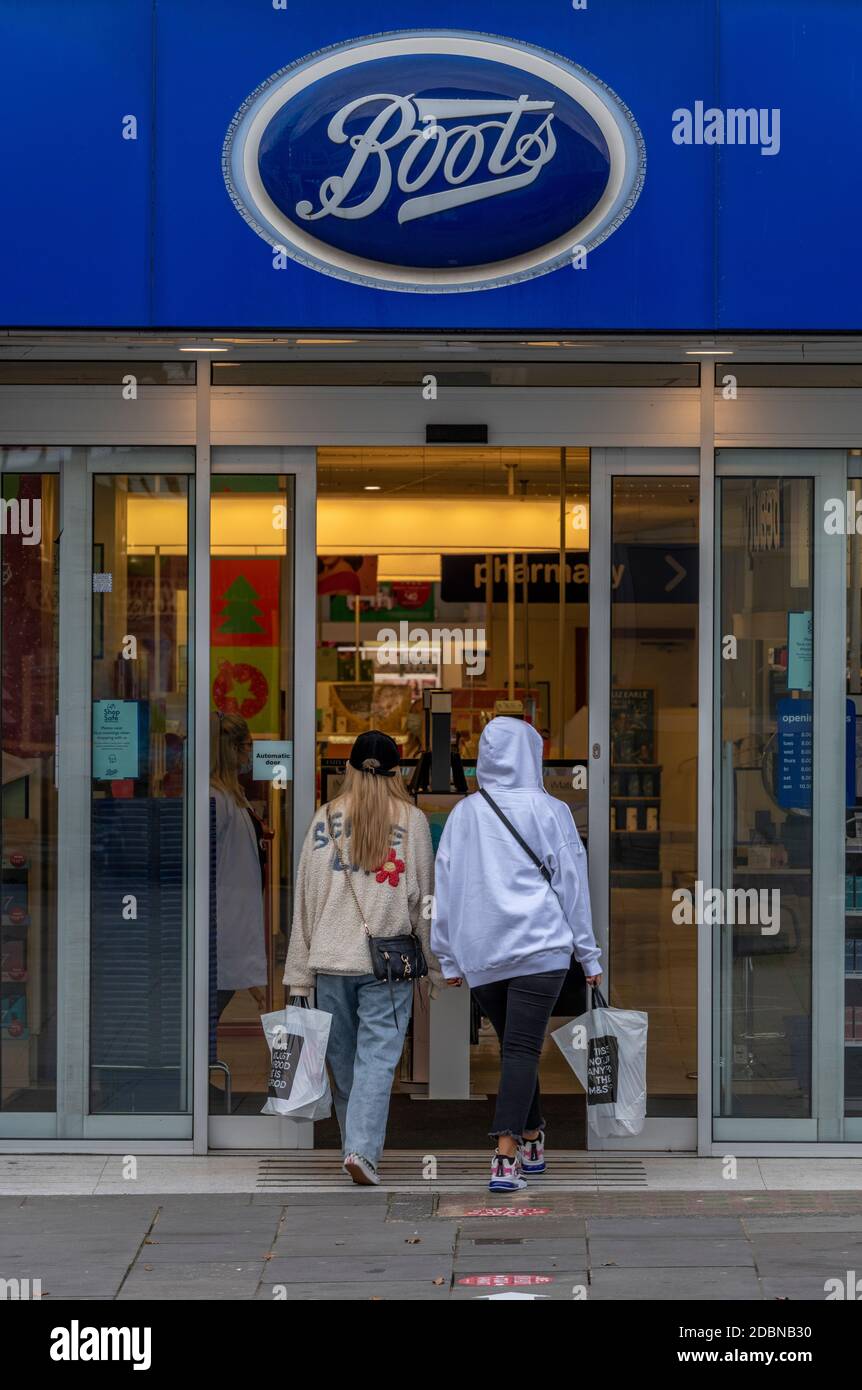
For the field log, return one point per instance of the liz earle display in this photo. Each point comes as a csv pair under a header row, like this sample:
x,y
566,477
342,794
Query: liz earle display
x,y
632,726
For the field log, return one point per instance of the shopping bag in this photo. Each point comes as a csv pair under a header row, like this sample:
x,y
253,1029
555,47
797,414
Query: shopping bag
x,y
298,1086
606,1049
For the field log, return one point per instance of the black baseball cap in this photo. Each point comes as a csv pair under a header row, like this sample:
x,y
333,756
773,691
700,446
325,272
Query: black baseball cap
x,y
376,753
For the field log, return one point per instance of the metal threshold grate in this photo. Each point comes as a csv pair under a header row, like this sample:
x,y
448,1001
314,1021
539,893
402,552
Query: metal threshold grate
x,y
301,1170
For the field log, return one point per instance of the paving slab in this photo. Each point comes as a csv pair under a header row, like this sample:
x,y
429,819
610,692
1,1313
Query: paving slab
x,y
383,1269
669,1252
807,1288
491,1228
648,1227
261,1222
47,1250
362,1291
515,1262
99,1279
352,1197
101,1207
533,1246
412,1208
365,1242
663,1284
812,1175
236,1279
783,1225
833,1252
215,1249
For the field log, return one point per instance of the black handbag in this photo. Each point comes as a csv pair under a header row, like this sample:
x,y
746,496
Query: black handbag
x,y
394,959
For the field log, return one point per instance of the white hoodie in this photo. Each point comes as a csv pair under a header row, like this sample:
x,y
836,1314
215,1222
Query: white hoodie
x,y
495,913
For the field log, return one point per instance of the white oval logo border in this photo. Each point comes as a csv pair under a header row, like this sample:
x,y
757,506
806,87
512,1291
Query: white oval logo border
x,y
615,120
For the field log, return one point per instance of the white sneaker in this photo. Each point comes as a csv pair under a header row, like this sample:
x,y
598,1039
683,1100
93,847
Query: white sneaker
x,y
533,1154
363,1173
506,1174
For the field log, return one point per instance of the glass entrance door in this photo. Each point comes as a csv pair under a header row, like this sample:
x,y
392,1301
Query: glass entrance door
x,y
785,1041
261,771
644,595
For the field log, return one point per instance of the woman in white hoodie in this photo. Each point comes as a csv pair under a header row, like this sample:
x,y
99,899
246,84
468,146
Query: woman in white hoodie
x,y
509,925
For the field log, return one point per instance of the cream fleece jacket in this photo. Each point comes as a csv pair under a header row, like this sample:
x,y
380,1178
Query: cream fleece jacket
x,y
327,936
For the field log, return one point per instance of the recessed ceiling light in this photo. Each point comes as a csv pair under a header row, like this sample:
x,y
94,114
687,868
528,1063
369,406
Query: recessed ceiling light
x,y
371,487
203,349
709,352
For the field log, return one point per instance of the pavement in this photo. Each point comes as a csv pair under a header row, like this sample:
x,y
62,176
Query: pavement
x,y
187,1229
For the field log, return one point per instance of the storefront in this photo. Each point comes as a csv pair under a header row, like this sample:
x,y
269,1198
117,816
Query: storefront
x,y
305,468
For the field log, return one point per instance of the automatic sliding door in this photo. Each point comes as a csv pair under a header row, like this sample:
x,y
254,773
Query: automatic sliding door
x,y
653,774
786,993
251,782
645,586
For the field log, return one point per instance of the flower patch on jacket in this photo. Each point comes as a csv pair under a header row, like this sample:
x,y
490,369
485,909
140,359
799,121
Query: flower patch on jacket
x,y
391,869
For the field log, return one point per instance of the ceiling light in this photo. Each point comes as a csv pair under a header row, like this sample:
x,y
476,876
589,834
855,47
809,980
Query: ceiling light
x,y
203,349
709,352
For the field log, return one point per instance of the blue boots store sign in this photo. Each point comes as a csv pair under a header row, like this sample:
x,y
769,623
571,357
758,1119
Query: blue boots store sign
x,y
434,162
283,165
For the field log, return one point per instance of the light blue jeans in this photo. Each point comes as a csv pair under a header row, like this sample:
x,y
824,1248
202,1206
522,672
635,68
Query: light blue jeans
x,y
365,1044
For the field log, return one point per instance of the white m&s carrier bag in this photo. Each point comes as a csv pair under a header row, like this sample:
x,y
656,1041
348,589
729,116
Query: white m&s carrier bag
x,y
606,1049
298,1084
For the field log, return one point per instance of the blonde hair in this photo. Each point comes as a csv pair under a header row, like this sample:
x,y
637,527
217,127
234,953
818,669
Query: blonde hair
x,y
371,802
228,733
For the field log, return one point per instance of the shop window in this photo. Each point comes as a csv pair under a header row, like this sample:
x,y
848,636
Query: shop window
x,y
28,924
37,372
454,374
853,837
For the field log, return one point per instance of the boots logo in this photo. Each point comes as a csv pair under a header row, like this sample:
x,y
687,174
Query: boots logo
x,y
434,161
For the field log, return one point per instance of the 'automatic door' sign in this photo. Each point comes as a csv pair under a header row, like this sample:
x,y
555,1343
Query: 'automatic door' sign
x,y
434,161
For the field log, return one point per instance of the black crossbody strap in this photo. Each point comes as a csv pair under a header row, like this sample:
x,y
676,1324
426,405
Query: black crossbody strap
x,y
543,868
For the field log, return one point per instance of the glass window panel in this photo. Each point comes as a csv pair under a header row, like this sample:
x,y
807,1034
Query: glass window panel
x,y
35,372
140,942
653,773
454,374
766,778
251,774
28,924
853,846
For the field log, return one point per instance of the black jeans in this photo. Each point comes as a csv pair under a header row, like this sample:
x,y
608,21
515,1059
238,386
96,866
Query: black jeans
x,y
519,1010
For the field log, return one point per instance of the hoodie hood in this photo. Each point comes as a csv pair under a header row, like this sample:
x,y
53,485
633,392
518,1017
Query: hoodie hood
x,y
510,755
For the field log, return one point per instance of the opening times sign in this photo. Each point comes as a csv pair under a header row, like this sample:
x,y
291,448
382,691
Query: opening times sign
x,y
794,769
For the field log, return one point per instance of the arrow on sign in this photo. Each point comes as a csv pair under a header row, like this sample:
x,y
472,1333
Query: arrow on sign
x,y
679,574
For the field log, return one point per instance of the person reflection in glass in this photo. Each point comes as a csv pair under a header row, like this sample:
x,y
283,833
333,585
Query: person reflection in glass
x,y
241,840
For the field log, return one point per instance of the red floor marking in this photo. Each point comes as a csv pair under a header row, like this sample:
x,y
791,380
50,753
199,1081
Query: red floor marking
x,y
507,1211
506,1280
